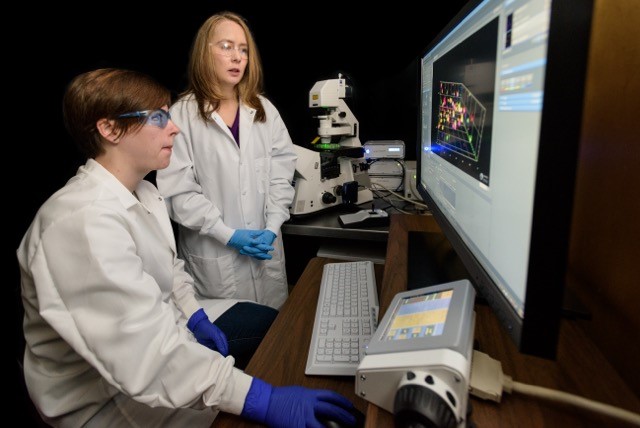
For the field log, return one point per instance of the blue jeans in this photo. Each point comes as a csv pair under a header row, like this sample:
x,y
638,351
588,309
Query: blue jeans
x,y
245,325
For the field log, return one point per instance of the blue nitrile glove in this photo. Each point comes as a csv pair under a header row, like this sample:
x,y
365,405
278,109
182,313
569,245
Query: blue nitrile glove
x,y
260,252
266,237
243,238
295,406
207,333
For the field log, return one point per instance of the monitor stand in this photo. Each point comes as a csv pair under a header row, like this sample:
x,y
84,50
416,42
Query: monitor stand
x,y
431,260
572,306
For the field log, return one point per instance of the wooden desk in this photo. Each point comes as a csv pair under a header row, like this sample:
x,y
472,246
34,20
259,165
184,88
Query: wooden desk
x,y
282,355
579,369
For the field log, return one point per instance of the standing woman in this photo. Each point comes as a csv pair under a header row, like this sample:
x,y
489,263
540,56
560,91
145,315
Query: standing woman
x,y
228,186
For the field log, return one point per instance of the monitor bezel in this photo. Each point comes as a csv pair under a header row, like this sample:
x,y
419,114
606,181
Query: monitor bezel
x,y
537,333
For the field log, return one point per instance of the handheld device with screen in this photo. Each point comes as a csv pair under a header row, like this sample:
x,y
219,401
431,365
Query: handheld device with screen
x,y
421,353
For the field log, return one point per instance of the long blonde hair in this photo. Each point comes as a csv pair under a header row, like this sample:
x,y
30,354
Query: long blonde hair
x,y
203,82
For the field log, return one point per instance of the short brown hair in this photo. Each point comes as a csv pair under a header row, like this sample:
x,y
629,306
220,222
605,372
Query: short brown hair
x,y
104,94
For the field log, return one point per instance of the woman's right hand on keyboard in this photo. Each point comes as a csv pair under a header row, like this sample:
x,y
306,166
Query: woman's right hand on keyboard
x,y
295,406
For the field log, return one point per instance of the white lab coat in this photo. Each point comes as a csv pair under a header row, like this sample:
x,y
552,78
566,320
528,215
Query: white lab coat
x,y
106,302
213,186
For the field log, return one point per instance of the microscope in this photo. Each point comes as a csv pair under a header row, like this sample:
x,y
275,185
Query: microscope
x,y
333,171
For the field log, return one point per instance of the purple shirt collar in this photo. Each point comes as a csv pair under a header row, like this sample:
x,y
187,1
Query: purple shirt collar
x,y
235,128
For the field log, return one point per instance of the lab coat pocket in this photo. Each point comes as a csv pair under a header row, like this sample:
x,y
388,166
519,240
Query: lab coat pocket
x,y
274,283
273,269
262,174
214,277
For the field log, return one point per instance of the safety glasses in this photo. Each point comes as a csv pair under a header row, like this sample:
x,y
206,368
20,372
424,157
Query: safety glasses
x,y
159,118
229,49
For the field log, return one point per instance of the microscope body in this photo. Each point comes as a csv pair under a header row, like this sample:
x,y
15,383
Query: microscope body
x,y
334,170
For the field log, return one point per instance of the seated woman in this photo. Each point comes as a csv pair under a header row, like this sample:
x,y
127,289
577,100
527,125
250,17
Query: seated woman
x,y
114,334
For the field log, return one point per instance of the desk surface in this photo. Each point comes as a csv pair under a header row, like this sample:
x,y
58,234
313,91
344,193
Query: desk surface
x,y
325,224
282,356
580,367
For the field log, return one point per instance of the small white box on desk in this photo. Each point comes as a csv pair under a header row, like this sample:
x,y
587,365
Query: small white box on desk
x,y
384,149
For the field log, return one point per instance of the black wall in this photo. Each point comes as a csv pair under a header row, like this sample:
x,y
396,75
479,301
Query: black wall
x,y
377,49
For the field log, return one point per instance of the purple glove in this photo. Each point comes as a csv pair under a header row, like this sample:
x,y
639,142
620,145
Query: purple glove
x,y
295,406
207,333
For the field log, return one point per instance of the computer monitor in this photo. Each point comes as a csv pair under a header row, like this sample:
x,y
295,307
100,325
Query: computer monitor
x,y
501,94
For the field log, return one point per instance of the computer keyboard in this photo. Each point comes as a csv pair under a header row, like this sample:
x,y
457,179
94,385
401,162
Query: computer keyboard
x,y
346,318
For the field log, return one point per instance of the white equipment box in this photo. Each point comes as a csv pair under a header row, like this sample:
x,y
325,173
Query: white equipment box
x,y
386,165
384,149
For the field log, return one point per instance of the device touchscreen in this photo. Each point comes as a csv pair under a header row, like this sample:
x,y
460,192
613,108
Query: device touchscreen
x,y
439,316
419,316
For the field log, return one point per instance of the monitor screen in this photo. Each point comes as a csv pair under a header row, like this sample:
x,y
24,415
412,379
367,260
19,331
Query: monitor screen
x,y
501,92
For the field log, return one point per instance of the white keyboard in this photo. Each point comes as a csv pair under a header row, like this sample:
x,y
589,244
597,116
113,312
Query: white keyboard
x,y
346,318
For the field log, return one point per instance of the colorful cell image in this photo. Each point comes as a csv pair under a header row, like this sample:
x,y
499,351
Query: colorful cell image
x,y
464,92
460,120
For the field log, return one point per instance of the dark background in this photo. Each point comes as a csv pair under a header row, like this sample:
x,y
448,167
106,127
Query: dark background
x,y
375,48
